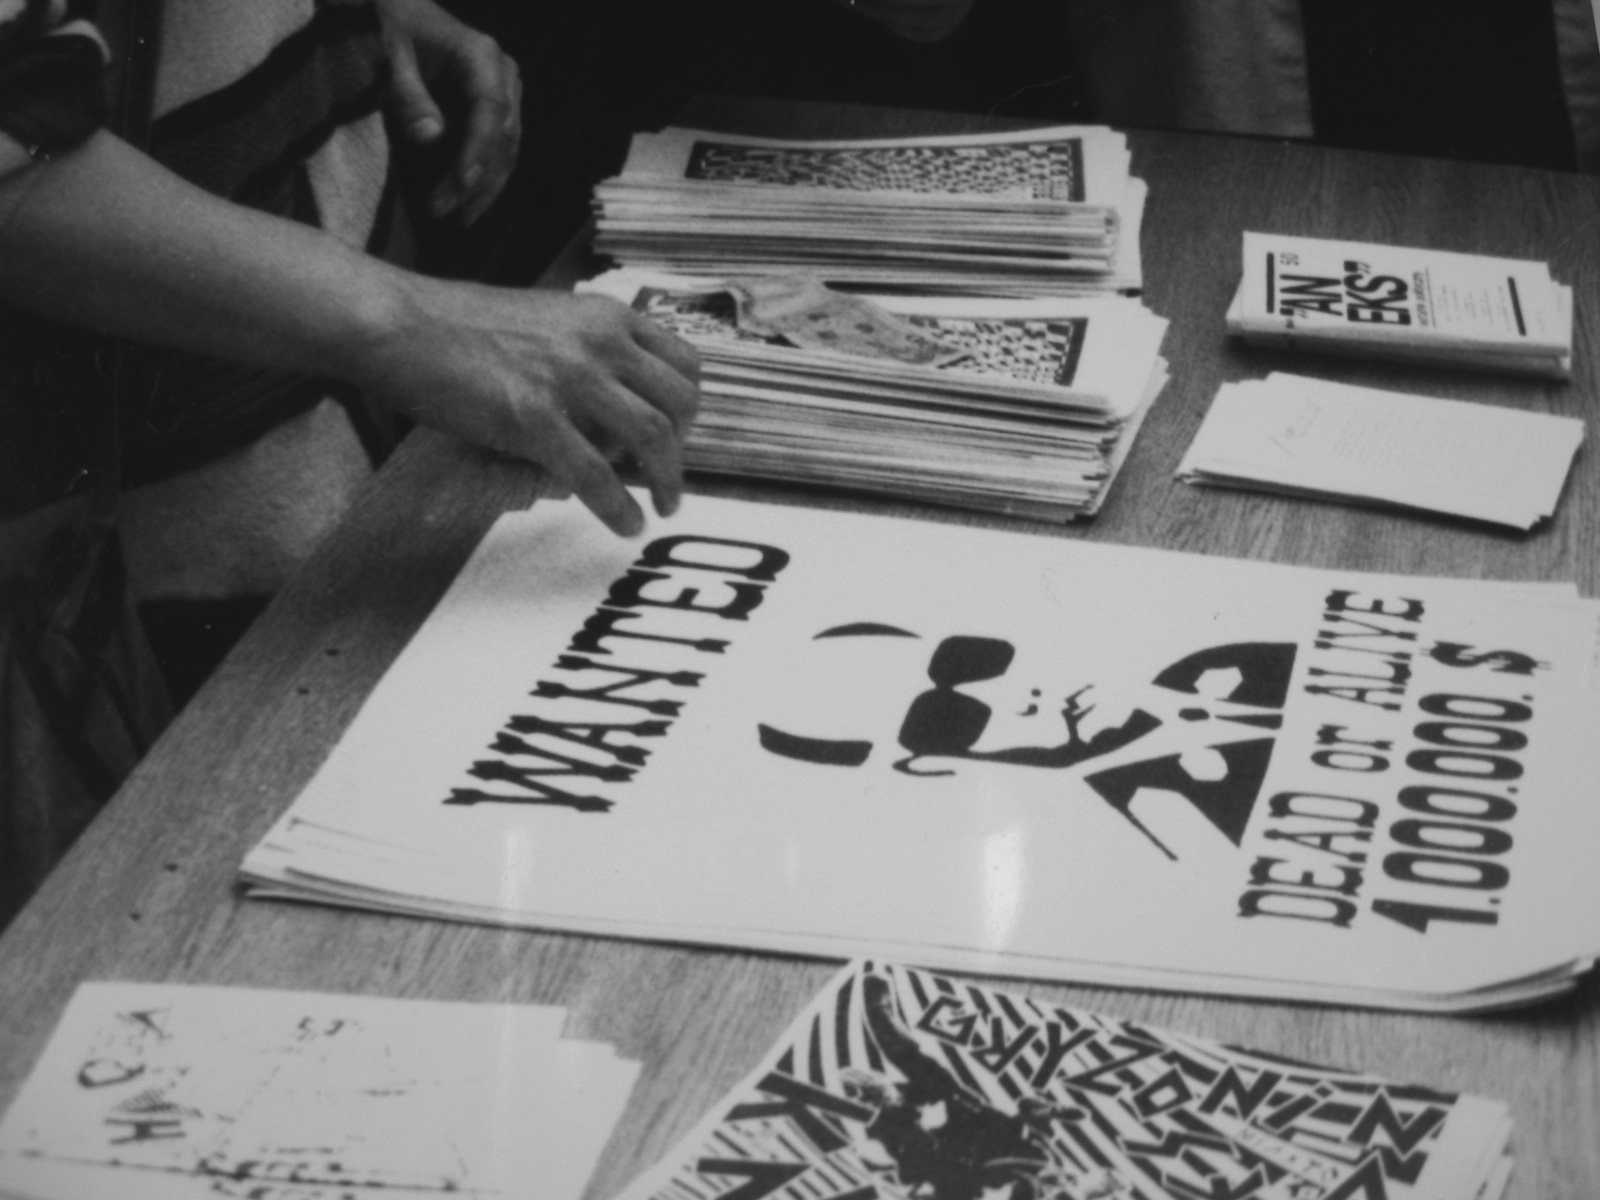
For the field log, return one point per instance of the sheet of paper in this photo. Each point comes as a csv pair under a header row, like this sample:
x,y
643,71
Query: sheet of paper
x,y
1292,433
1117,762
164,1090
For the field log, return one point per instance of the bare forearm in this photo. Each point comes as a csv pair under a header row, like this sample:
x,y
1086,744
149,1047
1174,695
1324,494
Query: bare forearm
x,y
106,238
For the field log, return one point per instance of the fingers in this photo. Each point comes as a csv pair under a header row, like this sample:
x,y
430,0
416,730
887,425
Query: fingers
x,y
415,110
666,374
578,467
491,88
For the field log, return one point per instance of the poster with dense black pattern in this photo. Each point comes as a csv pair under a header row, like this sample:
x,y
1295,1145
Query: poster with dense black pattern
x,y
841,734
899,1084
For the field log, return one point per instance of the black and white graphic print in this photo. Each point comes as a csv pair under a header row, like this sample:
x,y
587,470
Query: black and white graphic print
x,y
899,1083
1029,351
1040,170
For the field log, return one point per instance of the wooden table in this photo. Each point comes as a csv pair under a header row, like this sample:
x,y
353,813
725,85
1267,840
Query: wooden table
x,y
150,892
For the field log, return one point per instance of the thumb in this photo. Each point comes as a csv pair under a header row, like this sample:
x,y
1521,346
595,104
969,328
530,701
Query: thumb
x,y
414,108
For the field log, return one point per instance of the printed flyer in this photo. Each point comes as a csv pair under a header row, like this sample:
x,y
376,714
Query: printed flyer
x,y
842,735
898,1083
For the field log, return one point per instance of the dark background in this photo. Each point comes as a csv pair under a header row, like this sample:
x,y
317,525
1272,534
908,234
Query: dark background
x,y
1474,79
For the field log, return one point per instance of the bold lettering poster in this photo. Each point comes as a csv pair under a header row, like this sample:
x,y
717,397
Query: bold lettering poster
x,y
829,733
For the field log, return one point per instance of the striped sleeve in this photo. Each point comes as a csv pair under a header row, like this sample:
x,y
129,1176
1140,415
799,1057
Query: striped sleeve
x,y
51,61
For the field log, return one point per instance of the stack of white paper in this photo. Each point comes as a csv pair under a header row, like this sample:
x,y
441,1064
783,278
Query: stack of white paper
x,y
1026,407
834,734
1429,306
898,1082
1309,437
162,1091
1039,212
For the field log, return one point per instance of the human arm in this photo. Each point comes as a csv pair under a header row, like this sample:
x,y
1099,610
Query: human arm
x,y
105,238
437,63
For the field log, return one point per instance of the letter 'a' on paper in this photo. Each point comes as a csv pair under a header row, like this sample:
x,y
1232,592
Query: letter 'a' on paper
x,y
1413,304
1301,436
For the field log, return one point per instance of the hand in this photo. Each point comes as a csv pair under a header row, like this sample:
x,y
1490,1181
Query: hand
x,y
430,51
570,382
915,20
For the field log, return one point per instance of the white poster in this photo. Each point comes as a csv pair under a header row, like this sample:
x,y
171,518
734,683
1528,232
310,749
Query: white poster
x,y
830,733
156,1091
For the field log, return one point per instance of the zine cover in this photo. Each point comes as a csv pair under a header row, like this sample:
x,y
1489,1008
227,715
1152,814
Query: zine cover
x,y
1071,164
1317,288
831,733
898,1083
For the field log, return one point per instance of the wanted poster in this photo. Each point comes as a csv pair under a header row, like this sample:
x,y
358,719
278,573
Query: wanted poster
x,y
832,734
897,1082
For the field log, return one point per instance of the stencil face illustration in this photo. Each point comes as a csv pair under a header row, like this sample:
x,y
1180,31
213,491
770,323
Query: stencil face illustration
x,y
981,702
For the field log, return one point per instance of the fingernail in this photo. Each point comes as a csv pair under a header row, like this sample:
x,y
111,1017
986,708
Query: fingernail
x,y
442,203
471,176
425,129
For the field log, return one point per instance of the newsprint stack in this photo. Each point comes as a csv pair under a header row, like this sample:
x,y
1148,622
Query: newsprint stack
x,y
1042,212
1023,407
940,319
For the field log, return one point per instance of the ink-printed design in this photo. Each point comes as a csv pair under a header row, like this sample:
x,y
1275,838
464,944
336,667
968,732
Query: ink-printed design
x,y
899,1084
1029,351
180,1092
945,728
1041,170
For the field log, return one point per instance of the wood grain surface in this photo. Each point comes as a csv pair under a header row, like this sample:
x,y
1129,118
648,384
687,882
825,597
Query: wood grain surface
x,y
150,891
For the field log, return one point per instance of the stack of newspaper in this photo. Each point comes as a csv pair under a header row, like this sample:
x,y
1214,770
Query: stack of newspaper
x,y
1428,306
151,1091
939,1087
1309,437
1047,212
826,733
1026,407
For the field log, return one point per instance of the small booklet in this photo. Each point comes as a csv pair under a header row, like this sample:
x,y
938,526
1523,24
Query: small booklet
x,y
899,1082
162,1091
1310,437
1429,306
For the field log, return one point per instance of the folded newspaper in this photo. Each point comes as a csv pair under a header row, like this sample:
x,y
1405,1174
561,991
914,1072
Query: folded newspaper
x,y
899,1082
835,734
1049,211
1025,407
1417,305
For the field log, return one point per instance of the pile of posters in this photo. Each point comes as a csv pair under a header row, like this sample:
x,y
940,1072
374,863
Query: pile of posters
x,y
898,1082
1307,437
1039,212
1415,305
1024,407
844,735
163,1091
